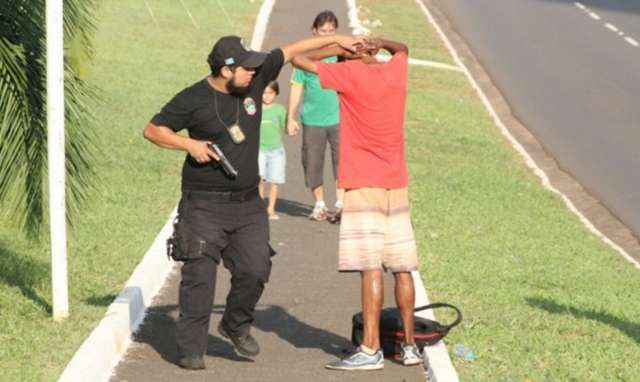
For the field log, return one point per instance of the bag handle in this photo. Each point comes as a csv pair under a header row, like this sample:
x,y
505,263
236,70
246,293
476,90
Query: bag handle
x,y
436,305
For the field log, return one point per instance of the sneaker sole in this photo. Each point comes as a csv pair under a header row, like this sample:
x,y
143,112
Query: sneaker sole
x,y
185,367
368,367
412,362
237,349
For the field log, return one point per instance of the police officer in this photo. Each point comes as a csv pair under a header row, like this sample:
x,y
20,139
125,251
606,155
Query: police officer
x,y
222,217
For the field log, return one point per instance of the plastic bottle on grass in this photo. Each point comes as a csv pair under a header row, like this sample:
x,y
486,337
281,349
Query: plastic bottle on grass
x,y
464,352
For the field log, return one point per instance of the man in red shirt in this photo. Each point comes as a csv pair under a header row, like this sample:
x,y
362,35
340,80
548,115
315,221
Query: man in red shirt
x,y
376,232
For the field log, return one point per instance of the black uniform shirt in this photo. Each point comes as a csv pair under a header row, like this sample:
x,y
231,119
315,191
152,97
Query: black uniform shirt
x,y
194,109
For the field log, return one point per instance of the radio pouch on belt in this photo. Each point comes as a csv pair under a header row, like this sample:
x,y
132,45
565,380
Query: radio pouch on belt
x,y
175,249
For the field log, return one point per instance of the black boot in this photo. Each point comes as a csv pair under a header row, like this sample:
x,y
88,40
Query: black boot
x,y
191,362
245,345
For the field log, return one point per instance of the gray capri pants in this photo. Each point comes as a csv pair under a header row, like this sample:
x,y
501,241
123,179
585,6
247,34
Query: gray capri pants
x,y
314,144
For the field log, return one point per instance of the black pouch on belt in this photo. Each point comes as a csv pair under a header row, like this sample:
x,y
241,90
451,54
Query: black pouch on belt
x,y
186,243
179,246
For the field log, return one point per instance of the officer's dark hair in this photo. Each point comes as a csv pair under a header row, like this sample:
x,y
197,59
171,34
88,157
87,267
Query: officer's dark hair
x,y
323,18
216,70
273,85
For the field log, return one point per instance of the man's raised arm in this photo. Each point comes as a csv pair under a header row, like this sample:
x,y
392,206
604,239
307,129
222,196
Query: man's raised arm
x,y
308,61
390,46
349,43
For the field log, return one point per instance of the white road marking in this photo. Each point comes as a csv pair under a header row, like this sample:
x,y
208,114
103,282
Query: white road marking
x,y
434,64
518,147
609,26
612,27
151,13
193,21
428,63
632,41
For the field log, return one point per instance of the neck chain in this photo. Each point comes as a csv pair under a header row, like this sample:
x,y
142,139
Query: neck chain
x,y
215,103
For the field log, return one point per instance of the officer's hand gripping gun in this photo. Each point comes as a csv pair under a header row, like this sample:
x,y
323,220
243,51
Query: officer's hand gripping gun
x,y
223,161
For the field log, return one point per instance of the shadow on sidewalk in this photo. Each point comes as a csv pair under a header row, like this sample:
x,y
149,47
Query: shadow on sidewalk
x,y
631,329
275,319
159,331
293,208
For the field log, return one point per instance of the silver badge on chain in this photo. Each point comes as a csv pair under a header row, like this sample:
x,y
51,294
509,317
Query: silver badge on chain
x,y
236,133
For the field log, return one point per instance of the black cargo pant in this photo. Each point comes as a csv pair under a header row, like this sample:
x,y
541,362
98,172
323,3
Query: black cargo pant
x,y
217,228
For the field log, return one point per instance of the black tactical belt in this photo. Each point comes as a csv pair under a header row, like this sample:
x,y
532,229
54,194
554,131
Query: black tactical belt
x,y
222,196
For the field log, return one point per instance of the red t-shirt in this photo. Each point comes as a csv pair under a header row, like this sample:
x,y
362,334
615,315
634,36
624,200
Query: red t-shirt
x,y
372,105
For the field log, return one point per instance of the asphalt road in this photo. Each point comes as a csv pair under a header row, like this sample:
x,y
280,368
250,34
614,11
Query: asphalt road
x,y
571,74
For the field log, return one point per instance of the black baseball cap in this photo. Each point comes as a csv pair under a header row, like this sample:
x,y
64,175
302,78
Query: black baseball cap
x,y
231,51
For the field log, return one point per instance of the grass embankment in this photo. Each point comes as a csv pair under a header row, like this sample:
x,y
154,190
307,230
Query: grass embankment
x,y
139,65
544,300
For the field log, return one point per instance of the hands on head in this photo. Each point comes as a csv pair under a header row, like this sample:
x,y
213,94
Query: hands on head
x,y
353,44
349,47
355,47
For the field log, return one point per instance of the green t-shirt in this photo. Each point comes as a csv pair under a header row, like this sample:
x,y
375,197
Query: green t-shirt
x,y
274,119
320,106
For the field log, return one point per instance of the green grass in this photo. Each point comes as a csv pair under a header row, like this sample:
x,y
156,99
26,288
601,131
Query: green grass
x,y
423,42
138,67
543,299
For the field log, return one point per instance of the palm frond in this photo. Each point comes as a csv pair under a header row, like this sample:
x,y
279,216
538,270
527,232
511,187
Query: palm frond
x,y
23,134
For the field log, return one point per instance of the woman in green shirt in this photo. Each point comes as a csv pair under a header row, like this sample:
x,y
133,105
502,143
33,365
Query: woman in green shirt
x,y
319,117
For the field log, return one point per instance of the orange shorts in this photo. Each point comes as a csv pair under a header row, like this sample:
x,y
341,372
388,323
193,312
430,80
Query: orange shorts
x,y
376,231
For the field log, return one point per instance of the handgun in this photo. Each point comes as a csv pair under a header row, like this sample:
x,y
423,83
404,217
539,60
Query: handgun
x,y
227,167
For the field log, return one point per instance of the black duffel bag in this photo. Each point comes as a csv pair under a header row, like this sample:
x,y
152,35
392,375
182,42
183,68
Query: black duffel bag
x,y
427,332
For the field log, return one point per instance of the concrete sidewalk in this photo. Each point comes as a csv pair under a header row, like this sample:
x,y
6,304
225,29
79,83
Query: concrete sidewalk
x,y
303,319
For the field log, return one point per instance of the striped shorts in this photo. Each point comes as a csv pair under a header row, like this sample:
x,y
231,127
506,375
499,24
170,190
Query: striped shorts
x,y
376,231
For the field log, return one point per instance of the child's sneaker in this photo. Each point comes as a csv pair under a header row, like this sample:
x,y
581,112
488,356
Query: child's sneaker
x,y
359,360
410,355
318,214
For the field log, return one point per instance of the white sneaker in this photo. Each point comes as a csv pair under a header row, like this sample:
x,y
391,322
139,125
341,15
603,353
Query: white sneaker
x,y
358,360
410,355
318,214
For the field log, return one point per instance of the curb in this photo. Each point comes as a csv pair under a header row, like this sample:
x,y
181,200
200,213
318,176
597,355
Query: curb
x,y
107,343
262,20
437,364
